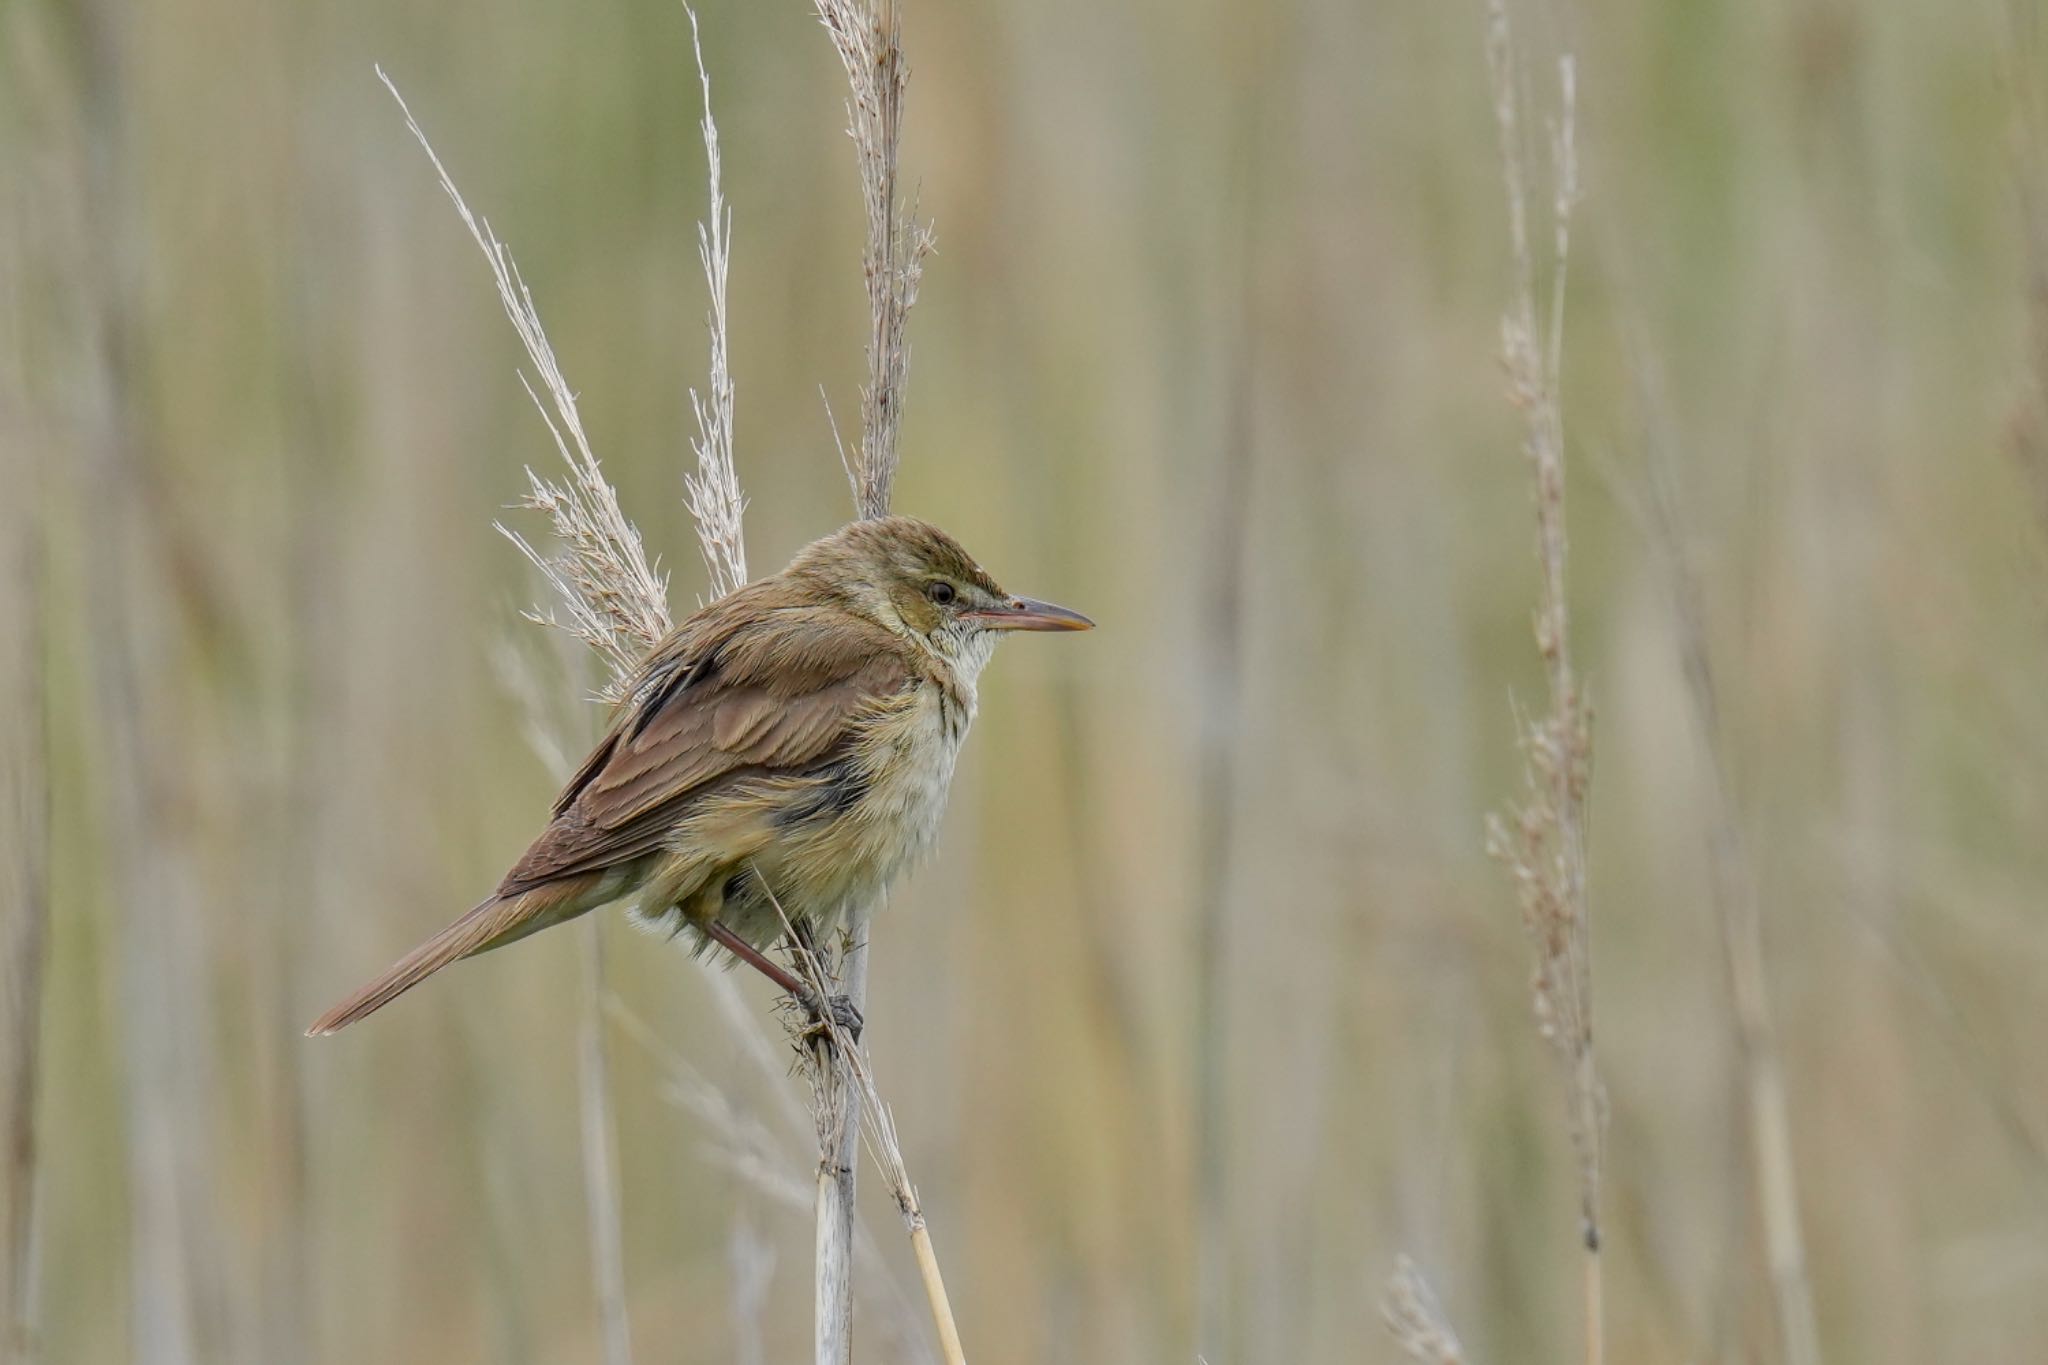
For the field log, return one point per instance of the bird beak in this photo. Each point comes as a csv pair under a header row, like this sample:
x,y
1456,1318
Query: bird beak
x,y
1024,613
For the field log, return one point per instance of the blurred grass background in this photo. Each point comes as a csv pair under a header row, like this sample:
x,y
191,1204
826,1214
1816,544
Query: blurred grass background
x,y
1214,317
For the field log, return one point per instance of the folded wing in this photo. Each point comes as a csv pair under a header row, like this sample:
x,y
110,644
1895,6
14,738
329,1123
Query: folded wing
x,y
777,692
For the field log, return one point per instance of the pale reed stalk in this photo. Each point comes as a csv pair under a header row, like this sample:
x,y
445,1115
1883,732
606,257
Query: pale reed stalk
x,y
600,1157
879,1125
746,1146
546,727
751,1258
1737,914
867,36
178,1305
1542,841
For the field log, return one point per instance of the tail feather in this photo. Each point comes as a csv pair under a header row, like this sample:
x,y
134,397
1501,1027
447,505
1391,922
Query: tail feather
x,y
496,921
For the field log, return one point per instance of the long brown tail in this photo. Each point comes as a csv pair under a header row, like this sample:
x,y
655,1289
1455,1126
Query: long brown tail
x,y
496,921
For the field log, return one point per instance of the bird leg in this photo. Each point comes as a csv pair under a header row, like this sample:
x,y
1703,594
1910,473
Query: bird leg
x,y
843,1011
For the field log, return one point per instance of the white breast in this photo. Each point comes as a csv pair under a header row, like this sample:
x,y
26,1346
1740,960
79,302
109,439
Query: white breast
x,y
904,808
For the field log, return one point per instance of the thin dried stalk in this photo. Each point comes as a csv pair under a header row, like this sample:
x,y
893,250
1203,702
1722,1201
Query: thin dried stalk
x,y
600,1157
746,1146
835,1105
178,1302
1416,1320
544,728
1542,840
751,1257
879,1126
617,602
867,35
735,1140
1738,915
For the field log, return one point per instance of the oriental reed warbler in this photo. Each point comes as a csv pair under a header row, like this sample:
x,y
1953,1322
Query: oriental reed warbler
x,y
785,752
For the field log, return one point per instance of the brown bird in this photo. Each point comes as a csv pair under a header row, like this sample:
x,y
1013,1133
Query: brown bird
x,y
791,744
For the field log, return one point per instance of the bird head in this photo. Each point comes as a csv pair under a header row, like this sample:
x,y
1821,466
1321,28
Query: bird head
x,y
915,579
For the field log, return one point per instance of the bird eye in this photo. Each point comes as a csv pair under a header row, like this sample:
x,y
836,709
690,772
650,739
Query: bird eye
x,y
940,591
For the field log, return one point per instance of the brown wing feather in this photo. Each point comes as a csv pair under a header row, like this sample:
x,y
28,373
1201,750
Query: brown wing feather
x,y
774,691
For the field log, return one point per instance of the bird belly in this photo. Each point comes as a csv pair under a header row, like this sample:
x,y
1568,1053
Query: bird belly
x,y
906,799
809,849
857,826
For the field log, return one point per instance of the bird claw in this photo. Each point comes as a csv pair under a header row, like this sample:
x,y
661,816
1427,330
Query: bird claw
x,y
845,1015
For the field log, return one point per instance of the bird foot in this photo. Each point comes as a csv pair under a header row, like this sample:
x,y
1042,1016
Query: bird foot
x,y
844,1013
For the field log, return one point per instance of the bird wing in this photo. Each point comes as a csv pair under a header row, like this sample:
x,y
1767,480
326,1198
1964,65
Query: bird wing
x,y
737,692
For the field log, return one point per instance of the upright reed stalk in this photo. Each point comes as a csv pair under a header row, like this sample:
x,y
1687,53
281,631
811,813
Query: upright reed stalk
x,y
1738,916
880,1127
600,1157
1542,840
132,623
867,36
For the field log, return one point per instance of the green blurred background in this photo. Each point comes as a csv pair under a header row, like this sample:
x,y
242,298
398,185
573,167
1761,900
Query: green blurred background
x,y
1209,350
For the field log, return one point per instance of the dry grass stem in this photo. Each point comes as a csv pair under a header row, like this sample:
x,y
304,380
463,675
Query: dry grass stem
x,y
600,1157
617,602
835,1105
543,726
734,1140
1543,839
1416,1320
1737,912
167,956
748,1148
750,1257
879,1126
867,35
